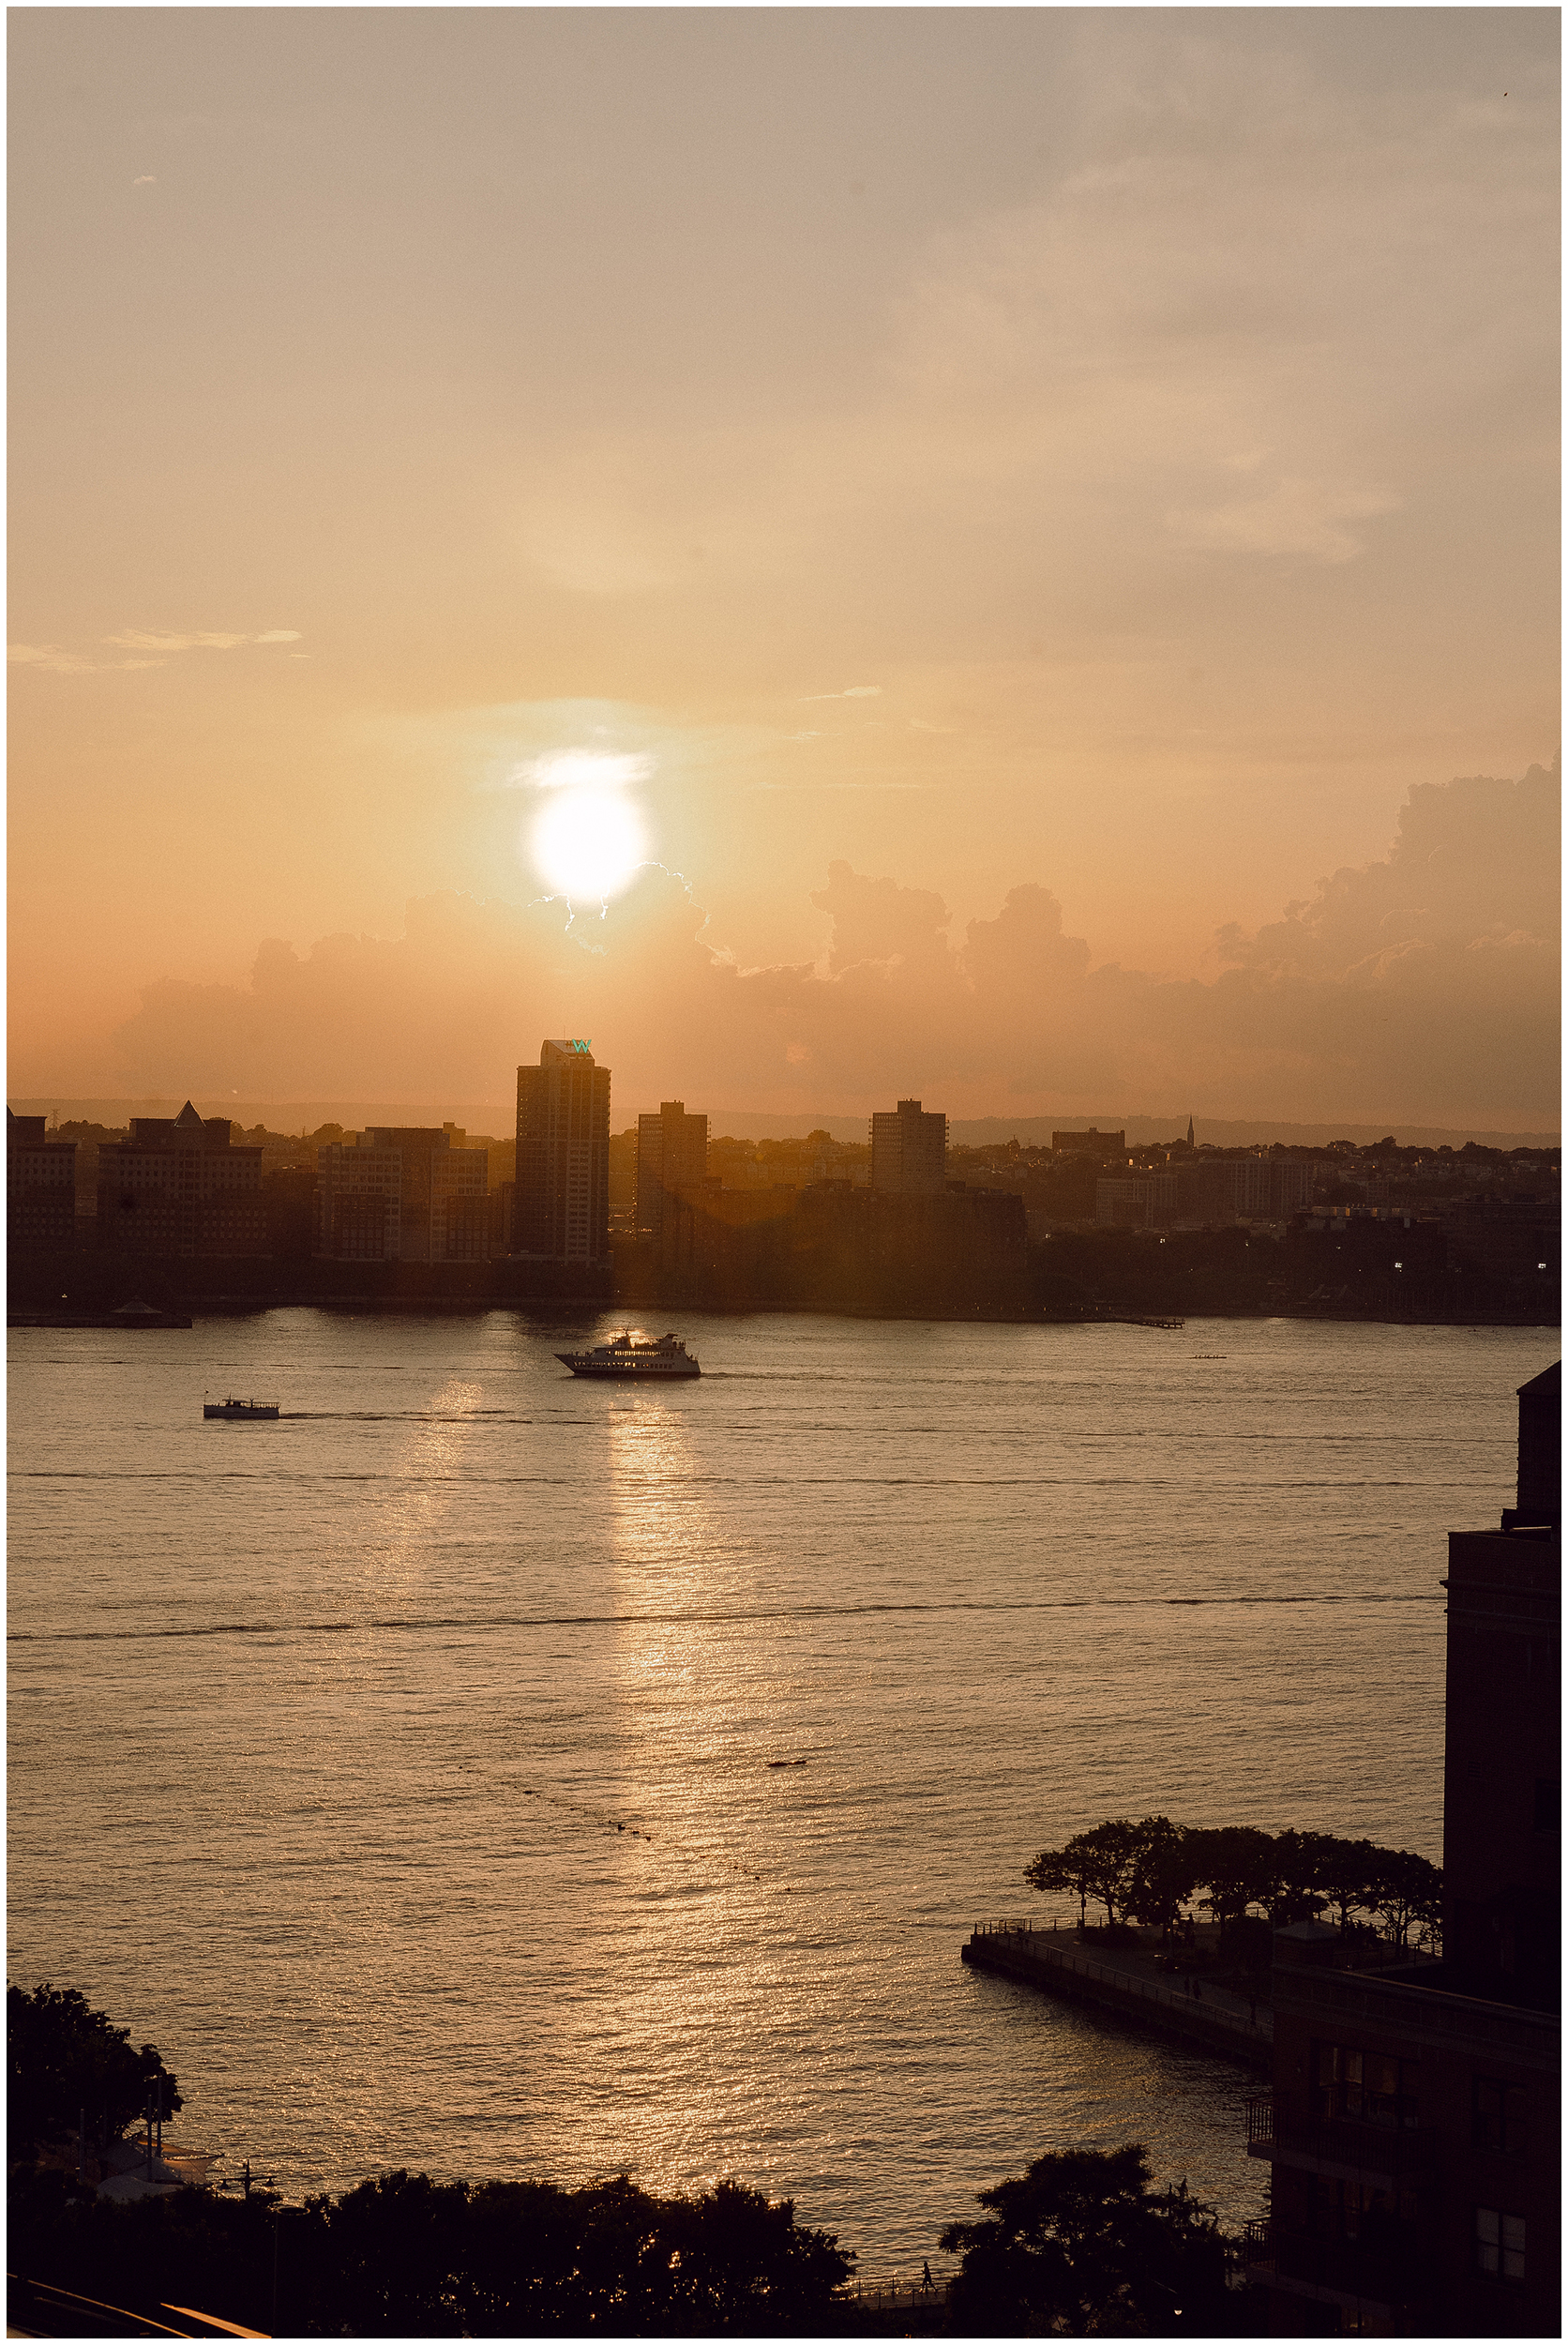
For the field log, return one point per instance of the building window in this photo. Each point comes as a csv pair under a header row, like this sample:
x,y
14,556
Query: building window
x,y
1498,2121
1499,2243
1364,2087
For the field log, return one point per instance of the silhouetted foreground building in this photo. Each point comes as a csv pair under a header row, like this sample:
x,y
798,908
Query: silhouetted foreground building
x,y
177,1188
560,1203
1413,2126
672,1154
41,1185
402,1193
908,1152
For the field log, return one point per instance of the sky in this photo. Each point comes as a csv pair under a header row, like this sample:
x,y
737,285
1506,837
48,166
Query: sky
x,y
1010,556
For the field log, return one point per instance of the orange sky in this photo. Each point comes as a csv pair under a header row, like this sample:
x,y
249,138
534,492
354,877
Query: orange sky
x,y
1105,455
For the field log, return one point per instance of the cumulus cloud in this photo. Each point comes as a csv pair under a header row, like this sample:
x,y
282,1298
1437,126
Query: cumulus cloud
x,y
1422,987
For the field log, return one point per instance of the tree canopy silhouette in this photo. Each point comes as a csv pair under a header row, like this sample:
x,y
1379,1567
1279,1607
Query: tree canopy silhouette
x,y
64,2057
1147,1871
1080,2245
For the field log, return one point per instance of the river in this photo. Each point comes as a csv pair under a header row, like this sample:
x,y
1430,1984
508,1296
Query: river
x,y
410,1770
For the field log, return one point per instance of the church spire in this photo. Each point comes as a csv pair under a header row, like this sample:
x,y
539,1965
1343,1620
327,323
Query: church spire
x,y
1189,1131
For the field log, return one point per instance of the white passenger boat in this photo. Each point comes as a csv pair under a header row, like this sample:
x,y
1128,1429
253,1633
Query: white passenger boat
x,y
624,1356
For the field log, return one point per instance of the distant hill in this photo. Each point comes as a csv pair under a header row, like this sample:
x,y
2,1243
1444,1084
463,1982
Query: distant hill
x,y
490,1116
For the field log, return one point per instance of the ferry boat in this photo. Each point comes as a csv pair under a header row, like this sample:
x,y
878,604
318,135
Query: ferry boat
x,y
623,1355
240,1412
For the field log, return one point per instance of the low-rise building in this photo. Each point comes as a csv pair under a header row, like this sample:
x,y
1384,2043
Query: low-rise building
x,y
1089,1144
1207,1190
402,1193
179,1188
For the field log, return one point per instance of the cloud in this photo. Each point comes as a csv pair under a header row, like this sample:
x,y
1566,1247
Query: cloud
x,y
581,769
147,180
133,639
48,656
1423,986
55,660
851,693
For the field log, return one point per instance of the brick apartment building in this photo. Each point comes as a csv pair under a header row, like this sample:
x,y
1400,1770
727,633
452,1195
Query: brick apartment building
x,y
1414,2126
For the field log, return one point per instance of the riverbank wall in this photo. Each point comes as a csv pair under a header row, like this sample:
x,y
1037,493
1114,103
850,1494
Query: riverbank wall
x,y
1210,2021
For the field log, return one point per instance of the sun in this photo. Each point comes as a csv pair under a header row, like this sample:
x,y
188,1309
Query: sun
x,y
588,841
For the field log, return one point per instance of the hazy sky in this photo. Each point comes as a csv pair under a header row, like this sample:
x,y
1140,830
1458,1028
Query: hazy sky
x,y
899,465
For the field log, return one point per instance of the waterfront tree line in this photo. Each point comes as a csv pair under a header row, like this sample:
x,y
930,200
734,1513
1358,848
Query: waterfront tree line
x,y
1150,1872
1083,2241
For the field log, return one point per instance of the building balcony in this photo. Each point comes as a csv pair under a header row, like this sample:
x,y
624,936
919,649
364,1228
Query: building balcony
x,y
1280,2128
1386,2273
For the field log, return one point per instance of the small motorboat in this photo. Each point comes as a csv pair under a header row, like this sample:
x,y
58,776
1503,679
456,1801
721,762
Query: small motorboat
x,y
240,1412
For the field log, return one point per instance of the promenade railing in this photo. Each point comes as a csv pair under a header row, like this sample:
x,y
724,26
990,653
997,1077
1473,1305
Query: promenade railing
x,y
1237,2014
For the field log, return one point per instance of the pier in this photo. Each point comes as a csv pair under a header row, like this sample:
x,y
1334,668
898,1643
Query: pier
x,y
1126,1984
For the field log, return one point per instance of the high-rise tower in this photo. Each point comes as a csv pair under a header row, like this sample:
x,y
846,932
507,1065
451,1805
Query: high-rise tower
x,y
562,1199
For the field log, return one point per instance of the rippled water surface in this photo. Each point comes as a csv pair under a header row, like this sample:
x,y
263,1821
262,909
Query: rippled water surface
x,y
403,1768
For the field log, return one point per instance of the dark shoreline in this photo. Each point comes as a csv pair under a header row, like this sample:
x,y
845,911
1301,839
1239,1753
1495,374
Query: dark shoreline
x,y
237,1306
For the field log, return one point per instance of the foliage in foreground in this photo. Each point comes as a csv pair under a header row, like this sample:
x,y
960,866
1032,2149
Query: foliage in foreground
x,y
1081,2245
1147,1871
64,2058
404,2256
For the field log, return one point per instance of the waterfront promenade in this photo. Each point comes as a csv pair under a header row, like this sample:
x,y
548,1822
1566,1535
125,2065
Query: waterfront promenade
x,y
1126,1980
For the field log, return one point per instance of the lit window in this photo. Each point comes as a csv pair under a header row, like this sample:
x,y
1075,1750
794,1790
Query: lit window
x,y
1499,2243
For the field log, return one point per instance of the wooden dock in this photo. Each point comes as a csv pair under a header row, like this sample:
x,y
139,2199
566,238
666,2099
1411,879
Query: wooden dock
x,y
1208,2017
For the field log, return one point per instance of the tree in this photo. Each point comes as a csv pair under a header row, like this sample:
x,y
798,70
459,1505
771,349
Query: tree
x,y
1346,1872
1081,2245
1161,1878
65,2057
1299,1858
1070,1868
1238,1863
1406,1892
1109,1857
406,2256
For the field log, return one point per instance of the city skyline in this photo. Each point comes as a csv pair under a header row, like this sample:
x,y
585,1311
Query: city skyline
x,y
1031,526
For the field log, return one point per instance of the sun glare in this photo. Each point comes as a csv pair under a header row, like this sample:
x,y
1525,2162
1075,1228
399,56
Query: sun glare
x,y
588,839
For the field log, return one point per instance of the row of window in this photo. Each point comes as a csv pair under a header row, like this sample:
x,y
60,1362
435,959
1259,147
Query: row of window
x,y
1374,2088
